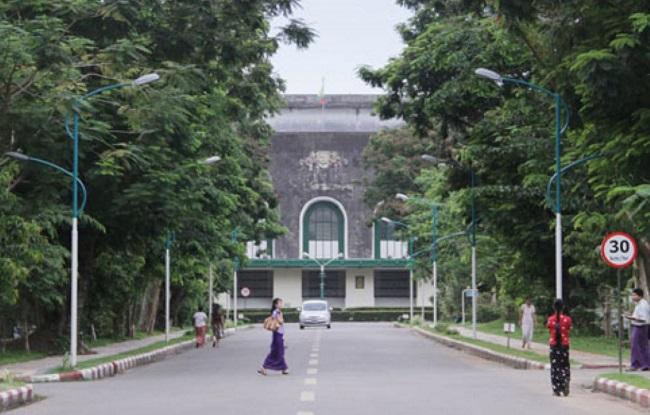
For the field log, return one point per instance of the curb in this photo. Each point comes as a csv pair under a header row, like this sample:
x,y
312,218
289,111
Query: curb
x,y
16,397
118,366
514,362
623,391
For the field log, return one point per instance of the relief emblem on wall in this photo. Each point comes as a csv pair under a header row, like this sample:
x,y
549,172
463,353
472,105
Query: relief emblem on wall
x,y
324,169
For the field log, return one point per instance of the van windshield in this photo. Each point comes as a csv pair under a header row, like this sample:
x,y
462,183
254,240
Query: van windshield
x,y
315,307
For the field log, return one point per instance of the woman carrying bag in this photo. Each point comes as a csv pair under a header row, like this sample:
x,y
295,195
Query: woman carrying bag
x,y
275,324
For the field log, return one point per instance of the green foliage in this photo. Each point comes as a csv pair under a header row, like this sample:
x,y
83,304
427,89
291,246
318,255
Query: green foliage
x,y
596,58
140,152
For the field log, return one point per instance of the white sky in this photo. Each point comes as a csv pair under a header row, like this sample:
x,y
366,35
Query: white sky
x,y
351,33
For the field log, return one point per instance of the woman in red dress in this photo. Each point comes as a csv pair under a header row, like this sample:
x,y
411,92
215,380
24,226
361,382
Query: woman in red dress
x,y
559,327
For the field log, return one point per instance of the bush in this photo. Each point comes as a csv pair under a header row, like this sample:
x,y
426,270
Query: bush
x,y
291,316
488,312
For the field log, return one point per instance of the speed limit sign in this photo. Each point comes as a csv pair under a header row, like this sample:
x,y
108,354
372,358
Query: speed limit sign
x,y
245,292
618,250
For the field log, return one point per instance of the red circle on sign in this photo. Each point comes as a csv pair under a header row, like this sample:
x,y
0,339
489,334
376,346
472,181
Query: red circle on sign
x,y
629,261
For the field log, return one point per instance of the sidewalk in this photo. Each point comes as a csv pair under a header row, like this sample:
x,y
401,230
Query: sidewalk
x,y
588,360
41,366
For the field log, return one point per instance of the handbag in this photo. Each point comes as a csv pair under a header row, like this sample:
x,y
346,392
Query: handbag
x,y
271,323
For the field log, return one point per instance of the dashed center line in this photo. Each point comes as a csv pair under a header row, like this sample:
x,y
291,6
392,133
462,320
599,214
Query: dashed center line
x,y
307,396
313,362
311,381
312,371
304,413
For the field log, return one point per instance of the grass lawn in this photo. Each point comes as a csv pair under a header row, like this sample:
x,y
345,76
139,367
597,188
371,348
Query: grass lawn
x,y
607,346
639,381
13,356
139,335
106,359
6,385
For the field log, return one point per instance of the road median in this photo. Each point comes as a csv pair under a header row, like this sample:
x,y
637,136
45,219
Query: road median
x,y
633,388
479,351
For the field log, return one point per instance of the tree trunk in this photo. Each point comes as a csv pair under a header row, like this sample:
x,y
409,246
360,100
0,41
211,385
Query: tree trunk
x,y
149,309
26,335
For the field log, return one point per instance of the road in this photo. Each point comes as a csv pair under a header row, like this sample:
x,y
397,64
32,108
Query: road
x,y
354,369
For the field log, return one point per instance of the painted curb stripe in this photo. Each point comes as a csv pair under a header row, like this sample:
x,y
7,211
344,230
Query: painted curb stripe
x,y
16,397
623,391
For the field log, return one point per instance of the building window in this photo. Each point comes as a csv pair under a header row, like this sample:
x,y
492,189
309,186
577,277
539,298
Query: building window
x,y
334,284
392,284
387,244
261,250
360,282
260,283
323,230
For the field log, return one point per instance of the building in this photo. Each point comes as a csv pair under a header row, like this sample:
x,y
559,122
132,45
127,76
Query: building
x,y
316,169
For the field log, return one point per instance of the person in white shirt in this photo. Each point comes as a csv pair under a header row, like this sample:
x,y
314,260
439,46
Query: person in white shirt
x,y
527,322
639,320
200,326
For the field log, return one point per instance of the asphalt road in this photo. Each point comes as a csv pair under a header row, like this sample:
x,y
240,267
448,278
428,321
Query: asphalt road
x,y
354,369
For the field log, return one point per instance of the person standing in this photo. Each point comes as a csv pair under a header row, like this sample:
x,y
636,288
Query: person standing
x,y
559,327
217,325
200,326
275,359
527,323
639,320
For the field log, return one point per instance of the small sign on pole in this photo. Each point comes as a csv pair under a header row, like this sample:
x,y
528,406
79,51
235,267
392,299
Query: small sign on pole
x,y
508,328
245,292
619,250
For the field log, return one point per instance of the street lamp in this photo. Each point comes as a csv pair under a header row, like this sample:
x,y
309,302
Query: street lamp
x,y
559,130
322,266
472,234
410,260
74,135
169,241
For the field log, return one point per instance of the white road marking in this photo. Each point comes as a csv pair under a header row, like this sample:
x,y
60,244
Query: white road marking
x,y
312,371
307,396
314,355
310,381
305,413
313,362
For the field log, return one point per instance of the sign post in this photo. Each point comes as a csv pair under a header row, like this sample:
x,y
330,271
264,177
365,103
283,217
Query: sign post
x,y
619,250
245,292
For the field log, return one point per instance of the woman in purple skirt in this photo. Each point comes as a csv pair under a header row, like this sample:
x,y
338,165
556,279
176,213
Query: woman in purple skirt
x,y
275,359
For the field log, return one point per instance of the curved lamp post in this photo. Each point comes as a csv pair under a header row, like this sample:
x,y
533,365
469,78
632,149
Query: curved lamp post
x,y
322,266
74,135
472,234
559,130
169,242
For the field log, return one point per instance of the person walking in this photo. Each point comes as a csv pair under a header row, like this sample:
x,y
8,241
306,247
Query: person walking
x,y
200,326
559,327
275,359
217,324
527,323
639,320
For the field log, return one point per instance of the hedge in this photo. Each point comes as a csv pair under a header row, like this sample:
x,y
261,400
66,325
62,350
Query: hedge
x,y
291,316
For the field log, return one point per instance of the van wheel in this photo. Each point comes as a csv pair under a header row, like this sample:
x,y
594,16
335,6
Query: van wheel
x,y
302,327
329,326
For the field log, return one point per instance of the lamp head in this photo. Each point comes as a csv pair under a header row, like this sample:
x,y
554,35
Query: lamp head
x,y
18,156
146,79
211,160
430,158
489,74
385,219
306,255
402,197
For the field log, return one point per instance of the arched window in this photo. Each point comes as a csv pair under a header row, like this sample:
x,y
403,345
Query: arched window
x,y
387,243
323,230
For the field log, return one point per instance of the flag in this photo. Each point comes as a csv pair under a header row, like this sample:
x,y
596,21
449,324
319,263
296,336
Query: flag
x,y
321,93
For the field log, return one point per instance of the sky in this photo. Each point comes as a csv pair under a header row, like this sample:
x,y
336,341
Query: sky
x,y
351,33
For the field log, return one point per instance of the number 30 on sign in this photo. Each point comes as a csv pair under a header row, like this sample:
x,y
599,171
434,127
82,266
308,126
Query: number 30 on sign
x,y
618,250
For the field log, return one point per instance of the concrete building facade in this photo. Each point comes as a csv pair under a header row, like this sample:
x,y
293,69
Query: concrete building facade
x,y
317,172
